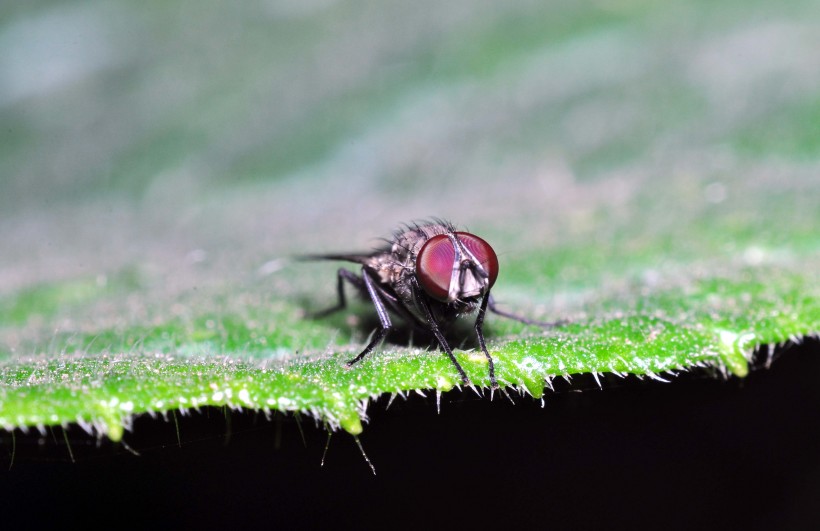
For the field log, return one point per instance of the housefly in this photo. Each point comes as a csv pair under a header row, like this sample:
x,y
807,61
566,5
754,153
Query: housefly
x,y
429,274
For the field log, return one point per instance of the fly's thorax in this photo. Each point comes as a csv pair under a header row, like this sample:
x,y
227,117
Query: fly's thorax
x,y
386,267
395,266
407,244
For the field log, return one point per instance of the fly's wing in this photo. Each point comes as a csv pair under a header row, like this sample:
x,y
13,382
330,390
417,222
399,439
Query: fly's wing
x,y
364,258
358,258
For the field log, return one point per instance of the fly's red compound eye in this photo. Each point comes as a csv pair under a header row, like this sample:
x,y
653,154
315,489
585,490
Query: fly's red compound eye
x,y
434,265
483,253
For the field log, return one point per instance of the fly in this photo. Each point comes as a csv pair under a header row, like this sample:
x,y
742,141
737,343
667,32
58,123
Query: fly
x,y
429,274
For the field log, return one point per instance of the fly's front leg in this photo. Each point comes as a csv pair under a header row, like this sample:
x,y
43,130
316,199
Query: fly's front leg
x,y
342,275
431,322
479,325
488,301
384,318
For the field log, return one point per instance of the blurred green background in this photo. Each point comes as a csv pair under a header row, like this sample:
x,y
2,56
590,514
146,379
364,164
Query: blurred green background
x,y
128,124
175,151
159,161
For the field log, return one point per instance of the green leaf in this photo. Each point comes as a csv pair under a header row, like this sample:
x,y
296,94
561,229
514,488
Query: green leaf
x,y
647,172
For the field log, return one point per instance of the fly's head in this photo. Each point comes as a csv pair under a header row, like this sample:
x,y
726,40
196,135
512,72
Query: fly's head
x,y
456,267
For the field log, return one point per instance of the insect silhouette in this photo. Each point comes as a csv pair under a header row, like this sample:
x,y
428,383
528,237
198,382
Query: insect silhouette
x,y
429,274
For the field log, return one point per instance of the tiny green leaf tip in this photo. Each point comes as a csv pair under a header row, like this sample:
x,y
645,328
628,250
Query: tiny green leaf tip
x,y
735,351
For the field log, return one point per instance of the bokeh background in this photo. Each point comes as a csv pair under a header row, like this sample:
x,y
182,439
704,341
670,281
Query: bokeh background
x,y
138,133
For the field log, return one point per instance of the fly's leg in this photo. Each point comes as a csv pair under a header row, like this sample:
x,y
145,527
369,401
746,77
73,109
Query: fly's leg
x,y
479,324
431,322
488,301
342,275
384,318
